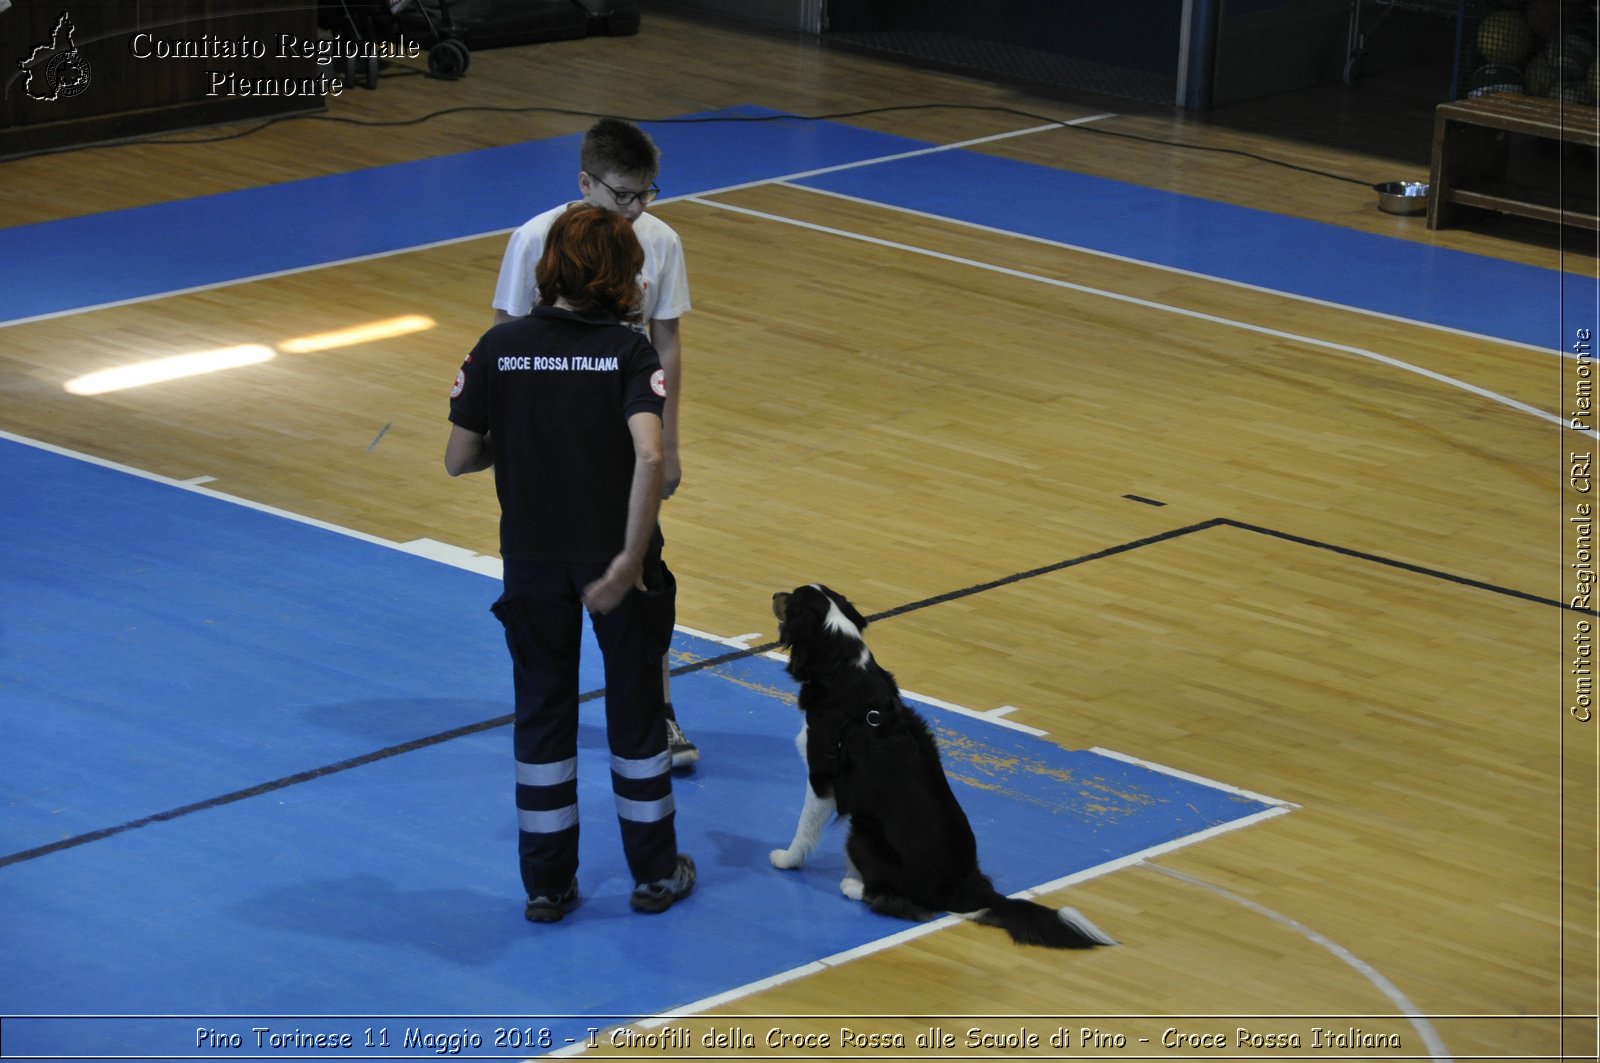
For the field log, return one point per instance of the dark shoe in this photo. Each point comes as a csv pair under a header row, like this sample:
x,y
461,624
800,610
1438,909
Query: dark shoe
x,y
662,894
549,909
684,752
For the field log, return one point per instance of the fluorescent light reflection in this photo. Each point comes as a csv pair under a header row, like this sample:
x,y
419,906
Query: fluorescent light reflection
x,y
372,331
177,367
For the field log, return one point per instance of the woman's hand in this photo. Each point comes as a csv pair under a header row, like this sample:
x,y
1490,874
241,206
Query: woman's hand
x,y
624,574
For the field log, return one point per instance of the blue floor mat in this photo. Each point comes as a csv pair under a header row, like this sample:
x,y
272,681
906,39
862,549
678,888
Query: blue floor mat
x,y
98,259
166,650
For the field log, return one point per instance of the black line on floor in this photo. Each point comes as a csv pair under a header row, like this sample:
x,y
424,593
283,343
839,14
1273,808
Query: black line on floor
x,y
1110,551
253,791
725,658
735,655
268,787
1404,566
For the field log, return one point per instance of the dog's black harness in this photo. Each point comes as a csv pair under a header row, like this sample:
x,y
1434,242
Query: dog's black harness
x,y
873,718
846,725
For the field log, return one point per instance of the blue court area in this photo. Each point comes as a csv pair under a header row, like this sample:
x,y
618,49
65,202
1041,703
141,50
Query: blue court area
x,y
1432,285
52,267
255,775
55,267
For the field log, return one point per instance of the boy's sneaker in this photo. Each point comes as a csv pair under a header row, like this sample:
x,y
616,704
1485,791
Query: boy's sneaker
x,y
684,752
662,894
549,908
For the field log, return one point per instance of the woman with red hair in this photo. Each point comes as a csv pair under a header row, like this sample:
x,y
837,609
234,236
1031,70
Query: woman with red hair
x,y
566,406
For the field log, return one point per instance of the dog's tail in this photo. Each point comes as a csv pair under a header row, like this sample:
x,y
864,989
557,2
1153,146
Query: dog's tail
x,y
1034,924
1029,923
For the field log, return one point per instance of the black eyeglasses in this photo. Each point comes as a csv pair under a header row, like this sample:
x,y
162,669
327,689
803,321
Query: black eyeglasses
x,y
625,197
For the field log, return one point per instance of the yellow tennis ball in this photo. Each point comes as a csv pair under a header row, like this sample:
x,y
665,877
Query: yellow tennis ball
x,y
1540,75
1504,37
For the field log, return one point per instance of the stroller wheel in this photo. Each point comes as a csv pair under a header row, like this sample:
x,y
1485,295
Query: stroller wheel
x,y
448,59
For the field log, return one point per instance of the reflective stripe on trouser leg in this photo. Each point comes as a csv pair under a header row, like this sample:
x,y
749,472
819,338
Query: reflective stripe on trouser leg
x,y
646,812
543,622
547,818
633,638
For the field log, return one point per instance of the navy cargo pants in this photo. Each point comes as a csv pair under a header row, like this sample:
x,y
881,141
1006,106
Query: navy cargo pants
x,y
542,612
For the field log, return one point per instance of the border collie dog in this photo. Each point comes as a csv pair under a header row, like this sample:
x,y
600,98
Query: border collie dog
x,y
871,758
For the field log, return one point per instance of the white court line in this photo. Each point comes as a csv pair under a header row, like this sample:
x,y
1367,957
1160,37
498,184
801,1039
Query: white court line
x,y
911,933
432,550
1150,304
879,160
1187,777
736,642
194,485
253,278
455,556
444,554
994,716
354,259
1402,1003
786,179
1178,271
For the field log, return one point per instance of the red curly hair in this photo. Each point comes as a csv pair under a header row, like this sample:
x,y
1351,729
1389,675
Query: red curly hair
x,y
592,260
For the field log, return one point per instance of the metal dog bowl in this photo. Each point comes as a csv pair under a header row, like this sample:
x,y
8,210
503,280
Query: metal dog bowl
x,y
1402,197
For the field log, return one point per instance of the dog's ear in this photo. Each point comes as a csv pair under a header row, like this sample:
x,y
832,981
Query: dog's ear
x,y
850,612
799,665
799,627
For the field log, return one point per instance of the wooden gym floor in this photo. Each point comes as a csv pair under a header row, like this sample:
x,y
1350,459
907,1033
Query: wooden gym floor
x,y
1362,615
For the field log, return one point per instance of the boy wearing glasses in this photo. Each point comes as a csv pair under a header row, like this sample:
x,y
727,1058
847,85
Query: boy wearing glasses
x,y
619,166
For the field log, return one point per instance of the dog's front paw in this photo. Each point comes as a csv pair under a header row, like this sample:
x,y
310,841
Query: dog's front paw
x,y
788,859
852,888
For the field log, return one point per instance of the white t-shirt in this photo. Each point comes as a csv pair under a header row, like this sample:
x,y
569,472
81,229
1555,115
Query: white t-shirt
x,y
665,279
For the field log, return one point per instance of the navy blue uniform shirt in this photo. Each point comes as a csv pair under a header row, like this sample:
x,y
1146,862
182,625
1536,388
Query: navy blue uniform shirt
x,y
553,391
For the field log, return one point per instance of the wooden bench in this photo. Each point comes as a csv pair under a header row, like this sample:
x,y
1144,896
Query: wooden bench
x,y
1471,154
